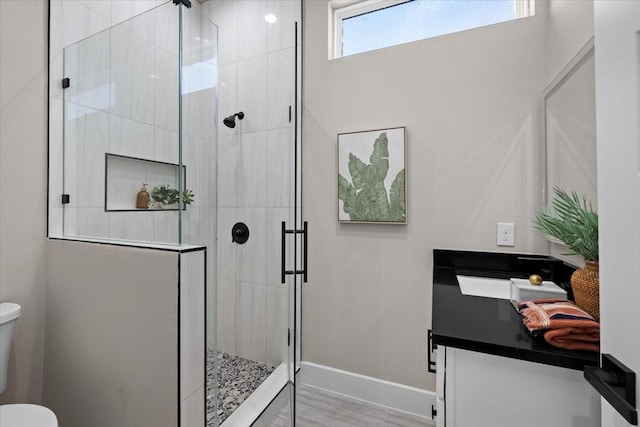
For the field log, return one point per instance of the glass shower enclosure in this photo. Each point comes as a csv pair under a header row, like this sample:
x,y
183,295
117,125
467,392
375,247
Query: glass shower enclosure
x,y
145,159
140,117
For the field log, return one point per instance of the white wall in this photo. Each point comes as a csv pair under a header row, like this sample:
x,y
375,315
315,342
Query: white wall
x,y
470,102
569,27
23,181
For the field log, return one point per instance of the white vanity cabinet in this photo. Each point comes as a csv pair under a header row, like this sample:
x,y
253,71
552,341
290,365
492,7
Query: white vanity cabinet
x,y
475,389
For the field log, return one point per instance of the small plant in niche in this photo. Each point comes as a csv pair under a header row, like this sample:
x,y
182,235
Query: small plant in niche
x,y
164,195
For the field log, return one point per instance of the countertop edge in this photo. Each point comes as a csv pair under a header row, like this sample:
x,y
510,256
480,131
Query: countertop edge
x,y
499,265
561,361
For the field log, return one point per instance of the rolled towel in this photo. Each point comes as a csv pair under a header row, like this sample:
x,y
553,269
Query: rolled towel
x,y
562,323
574,338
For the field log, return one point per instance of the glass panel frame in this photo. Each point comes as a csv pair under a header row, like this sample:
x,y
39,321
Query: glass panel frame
x,y
119,100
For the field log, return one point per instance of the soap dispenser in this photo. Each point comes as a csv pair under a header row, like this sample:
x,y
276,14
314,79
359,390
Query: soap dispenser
x,y
142,200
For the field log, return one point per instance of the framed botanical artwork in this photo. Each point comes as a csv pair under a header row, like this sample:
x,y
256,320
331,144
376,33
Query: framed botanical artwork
x,y
371,177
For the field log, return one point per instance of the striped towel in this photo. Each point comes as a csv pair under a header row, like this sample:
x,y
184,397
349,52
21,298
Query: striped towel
x,y
562,323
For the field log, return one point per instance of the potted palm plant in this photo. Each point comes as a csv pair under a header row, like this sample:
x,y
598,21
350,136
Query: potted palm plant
x,y
573,221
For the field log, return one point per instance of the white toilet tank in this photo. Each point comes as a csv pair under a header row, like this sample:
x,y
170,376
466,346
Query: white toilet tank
x,y
9,313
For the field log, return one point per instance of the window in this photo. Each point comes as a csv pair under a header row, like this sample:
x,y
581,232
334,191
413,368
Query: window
x,y
361,26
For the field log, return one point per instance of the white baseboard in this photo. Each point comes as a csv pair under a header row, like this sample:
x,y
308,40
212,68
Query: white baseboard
x,y
380,392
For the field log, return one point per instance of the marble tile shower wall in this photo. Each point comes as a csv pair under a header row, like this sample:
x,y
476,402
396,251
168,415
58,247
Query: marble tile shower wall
x,y
255,171
123,99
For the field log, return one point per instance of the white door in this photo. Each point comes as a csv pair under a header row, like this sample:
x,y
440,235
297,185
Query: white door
x,y
618,133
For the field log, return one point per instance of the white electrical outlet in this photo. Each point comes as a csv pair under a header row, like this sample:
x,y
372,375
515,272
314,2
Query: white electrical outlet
x,y
505,235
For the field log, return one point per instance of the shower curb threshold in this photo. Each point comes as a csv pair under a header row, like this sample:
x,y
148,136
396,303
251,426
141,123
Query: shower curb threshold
x,y
249,411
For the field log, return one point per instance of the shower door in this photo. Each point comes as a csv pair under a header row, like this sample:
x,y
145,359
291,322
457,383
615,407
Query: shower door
x,y
259,241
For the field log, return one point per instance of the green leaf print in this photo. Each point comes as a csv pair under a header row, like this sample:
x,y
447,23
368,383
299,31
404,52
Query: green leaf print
x,y
365,198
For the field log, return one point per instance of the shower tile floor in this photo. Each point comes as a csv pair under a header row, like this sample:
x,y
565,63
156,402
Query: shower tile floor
x,y
237,379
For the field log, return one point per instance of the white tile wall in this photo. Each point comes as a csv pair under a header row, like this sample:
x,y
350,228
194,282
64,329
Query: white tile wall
x,y
280,168
210,165
281,33
122,10
56,67
227,171
209,33
227,299
193,410
250,15
192,312
103,7
74,22
227,251
251,321
277,322
137,226
56,220
251,169
130,137
86,141
165,225
167,27
92,222
206,170
280,87
132,84
197,229
198,107
227,96
56,156
166,90
191,39
165,145
251,259
251,91
191,154
224,13
143,25
87,65
70,220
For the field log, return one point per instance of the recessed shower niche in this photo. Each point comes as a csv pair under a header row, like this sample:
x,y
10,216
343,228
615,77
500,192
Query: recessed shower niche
x,y
127,177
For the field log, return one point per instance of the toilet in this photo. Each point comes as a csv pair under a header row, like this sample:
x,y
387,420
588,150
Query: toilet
x,y
17,415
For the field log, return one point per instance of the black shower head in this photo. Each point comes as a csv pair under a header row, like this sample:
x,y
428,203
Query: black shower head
x,y
230,121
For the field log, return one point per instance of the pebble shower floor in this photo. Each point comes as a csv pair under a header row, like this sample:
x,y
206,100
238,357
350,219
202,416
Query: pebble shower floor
x,y
237,379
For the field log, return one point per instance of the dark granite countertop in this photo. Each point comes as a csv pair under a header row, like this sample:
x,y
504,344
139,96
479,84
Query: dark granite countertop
x,y
490,325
